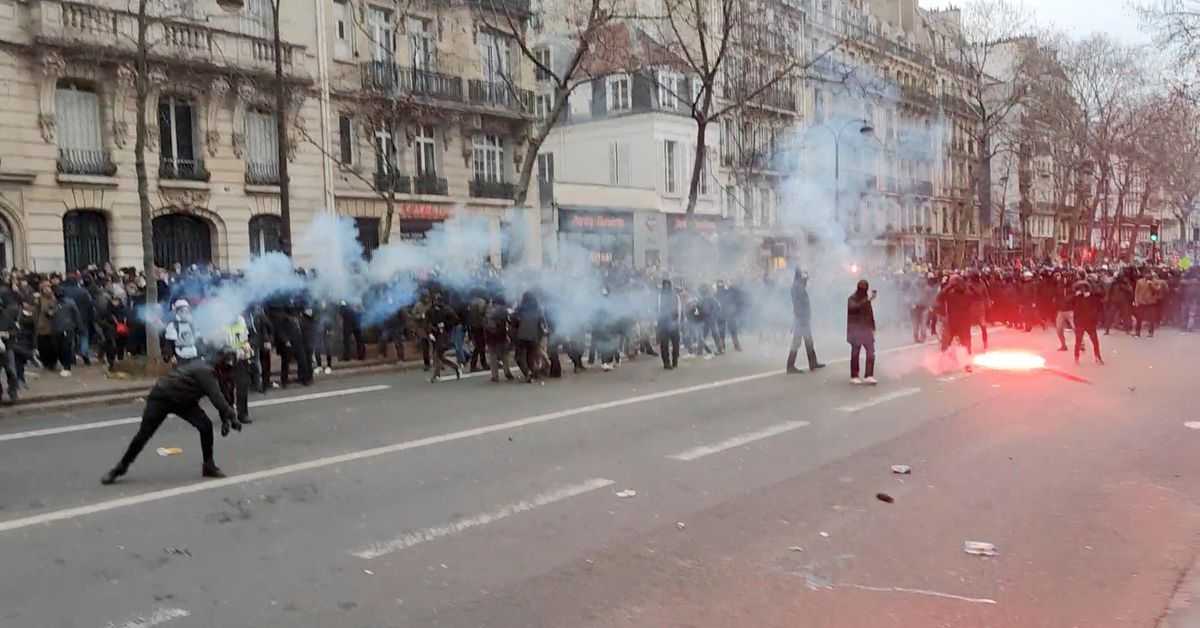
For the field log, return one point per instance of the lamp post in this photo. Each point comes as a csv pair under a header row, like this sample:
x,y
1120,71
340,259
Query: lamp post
x,y
865,128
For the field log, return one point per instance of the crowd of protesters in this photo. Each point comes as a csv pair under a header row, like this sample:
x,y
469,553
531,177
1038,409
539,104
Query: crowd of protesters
x,y
50,321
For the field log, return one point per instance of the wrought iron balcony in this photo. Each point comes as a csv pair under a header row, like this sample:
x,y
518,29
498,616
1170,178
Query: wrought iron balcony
x,y
499,94
262,173
430,185
392,182
182,169
390,78
86,161
491,189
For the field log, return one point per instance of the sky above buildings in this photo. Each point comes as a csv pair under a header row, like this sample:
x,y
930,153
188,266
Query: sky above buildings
x,y
1078,18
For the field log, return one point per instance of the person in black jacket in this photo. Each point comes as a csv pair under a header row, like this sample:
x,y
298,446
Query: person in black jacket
x,y
442,320
670,320
1088,306
860,331
10,313
731,311
801,325
530,328
84,302
179,393
956,304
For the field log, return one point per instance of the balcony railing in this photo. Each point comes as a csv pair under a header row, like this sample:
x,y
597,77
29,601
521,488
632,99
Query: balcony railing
x,y
430,185
86,161
182,169
491,189
262,173
387,77
918,96
499,94
83,24
514,7
392,182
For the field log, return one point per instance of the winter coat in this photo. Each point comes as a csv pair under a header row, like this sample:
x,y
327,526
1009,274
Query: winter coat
x,y
958,304
1087,303
860,320
529,323
83,302
801,311
186,384
670,311
66,318
495,327
1145,293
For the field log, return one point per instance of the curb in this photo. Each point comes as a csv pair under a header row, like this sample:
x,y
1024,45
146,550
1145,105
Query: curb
x,y
126,394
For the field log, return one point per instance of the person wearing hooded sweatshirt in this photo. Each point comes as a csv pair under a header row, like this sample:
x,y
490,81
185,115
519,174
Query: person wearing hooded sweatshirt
x,y
530,328
860,331
179,392
670,320
495,334
956,305
66,324
1087,303
801,325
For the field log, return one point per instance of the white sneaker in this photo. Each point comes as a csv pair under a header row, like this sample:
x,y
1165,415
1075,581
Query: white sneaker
x,y
708,356
856,380
871,381
606,367
328,370
65,373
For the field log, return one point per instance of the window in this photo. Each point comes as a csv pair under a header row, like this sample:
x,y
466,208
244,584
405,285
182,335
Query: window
x,y
543,105
619,97
703,187
421,44
78,121
764,206
748,207
343,24
176,138
85,239
379,25
262,165
545,167
367,234
670,176
346,140
620,171
264,234
730,201
426,152
544,66
494,56
672,90
488,158
257,19
385,152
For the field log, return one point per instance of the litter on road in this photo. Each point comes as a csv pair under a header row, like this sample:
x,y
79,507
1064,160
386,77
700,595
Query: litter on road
x,y
1192,425
681,525
824,534
368,572
178,551
627,493
979,548
170,451
901,469
885,498
795,548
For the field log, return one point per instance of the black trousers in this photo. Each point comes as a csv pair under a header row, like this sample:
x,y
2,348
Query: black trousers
x,y
264,369
1148,314
1090,332
153,416
856,349
668,346
478,349
527,357
730,326
349,331
241,385
963,333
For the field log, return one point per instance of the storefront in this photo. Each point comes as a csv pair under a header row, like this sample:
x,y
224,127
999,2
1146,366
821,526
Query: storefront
x,y
705,242
416,220
607,235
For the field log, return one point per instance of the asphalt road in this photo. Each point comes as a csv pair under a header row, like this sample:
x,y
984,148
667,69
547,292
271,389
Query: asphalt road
x,y
384,501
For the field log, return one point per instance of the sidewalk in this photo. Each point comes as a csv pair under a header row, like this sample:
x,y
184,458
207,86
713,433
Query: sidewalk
x,y
91,385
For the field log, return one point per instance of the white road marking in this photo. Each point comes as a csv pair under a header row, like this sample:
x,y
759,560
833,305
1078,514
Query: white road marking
x,y
737,441
949,596
262,403
1192,425
160,616
318,463
451,378
417,537
897,394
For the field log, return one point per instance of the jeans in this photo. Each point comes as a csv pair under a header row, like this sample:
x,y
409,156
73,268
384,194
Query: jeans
x,y
1061,321
85,346
855,349
1091,333
458,338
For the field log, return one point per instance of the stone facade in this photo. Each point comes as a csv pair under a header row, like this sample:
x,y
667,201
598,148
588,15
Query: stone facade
x,y
216,199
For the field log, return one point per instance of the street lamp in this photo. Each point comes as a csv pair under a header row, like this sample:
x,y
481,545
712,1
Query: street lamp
x,y
865,128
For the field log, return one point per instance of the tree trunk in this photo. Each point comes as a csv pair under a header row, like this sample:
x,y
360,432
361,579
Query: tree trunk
x,y
536,139
142,88
389,213
1143,201
281,144
697,169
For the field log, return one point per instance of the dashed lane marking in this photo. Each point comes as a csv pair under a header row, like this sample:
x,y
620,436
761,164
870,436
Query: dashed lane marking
x,y
892,396
410,539
737,441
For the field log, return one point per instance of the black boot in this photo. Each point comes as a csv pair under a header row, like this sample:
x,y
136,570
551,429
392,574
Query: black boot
x,y
112,475
210,470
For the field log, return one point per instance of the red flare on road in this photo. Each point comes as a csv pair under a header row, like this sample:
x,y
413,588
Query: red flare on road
x,y
1010,361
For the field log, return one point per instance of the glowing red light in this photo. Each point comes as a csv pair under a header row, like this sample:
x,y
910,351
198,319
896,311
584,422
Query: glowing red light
x,y
854,269
1010,361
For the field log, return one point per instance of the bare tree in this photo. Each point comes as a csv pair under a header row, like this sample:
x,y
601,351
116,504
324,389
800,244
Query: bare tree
x,y
719,43
583,32
988,47
1175,25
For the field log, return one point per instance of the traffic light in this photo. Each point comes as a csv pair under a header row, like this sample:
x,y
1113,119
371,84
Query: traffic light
x,y
1154,232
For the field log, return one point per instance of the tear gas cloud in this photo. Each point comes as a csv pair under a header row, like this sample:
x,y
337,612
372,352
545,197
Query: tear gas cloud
x,y
834,219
